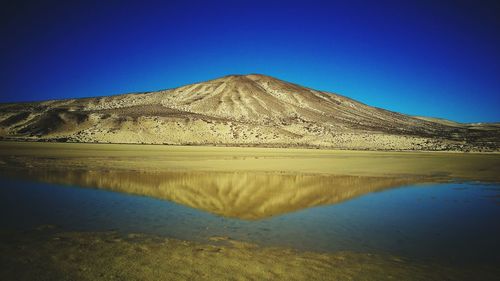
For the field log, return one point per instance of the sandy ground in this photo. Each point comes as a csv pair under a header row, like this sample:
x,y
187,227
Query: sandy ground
x,y
159,158
108,256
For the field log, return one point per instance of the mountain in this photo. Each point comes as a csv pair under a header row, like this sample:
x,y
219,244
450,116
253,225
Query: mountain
x,y
239,110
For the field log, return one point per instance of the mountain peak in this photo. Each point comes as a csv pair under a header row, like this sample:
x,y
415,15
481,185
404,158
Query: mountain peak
x,y
242,77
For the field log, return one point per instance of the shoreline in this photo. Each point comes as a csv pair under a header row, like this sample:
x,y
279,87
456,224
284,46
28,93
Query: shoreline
x,y
258,146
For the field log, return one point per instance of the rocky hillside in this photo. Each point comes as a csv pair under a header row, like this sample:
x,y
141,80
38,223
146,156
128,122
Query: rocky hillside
x,y
239,110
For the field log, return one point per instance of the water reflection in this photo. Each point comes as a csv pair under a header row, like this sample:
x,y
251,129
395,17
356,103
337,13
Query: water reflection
x,y
242,195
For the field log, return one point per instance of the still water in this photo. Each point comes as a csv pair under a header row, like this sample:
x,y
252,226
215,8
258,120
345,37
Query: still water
x,y
452,222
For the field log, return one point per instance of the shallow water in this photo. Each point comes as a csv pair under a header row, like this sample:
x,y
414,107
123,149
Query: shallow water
x,y
453,222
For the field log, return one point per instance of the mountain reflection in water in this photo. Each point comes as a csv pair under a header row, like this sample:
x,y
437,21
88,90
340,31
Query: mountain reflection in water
x,y
242,195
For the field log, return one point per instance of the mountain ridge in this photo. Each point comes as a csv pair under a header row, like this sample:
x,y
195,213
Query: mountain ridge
x,y
250,110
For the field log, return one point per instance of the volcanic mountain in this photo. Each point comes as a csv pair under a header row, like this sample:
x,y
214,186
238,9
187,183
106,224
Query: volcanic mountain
x,y
239,110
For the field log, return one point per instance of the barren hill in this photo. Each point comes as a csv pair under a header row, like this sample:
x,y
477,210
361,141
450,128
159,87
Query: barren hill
x,y
253,110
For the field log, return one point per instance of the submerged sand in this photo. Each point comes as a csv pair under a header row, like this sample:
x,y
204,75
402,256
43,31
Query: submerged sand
x,y
51,255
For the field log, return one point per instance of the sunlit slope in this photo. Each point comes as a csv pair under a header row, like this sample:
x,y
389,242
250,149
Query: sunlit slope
x,y
252,110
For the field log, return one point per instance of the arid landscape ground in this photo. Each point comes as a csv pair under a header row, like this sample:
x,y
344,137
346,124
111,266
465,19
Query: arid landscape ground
x,y
239,110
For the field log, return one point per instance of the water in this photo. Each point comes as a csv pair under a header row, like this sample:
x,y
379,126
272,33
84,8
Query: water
x,y
455,222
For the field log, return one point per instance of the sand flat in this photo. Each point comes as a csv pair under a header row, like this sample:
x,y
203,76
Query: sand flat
x,y
452,166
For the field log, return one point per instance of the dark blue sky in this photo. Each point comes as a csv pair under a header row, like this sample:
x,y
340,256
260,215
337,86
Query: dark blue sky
x,y
433,58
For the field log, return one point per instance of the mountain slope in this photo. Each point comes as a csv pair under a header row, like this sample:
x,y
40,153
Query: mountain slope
x,y
254,109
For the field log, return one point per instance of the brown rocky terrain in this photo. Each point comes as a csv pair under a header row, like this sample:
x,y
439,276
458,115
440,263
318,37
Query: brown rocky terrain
x,y
239,110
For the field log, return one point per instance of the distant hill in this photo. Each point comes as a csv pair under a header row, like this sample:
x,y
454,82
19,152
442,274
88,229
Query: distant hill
x,y
240,110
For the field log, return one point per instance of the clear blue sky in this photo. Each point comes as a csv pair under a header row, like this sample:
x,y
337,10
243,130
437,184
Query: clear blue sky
x,y
433,58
